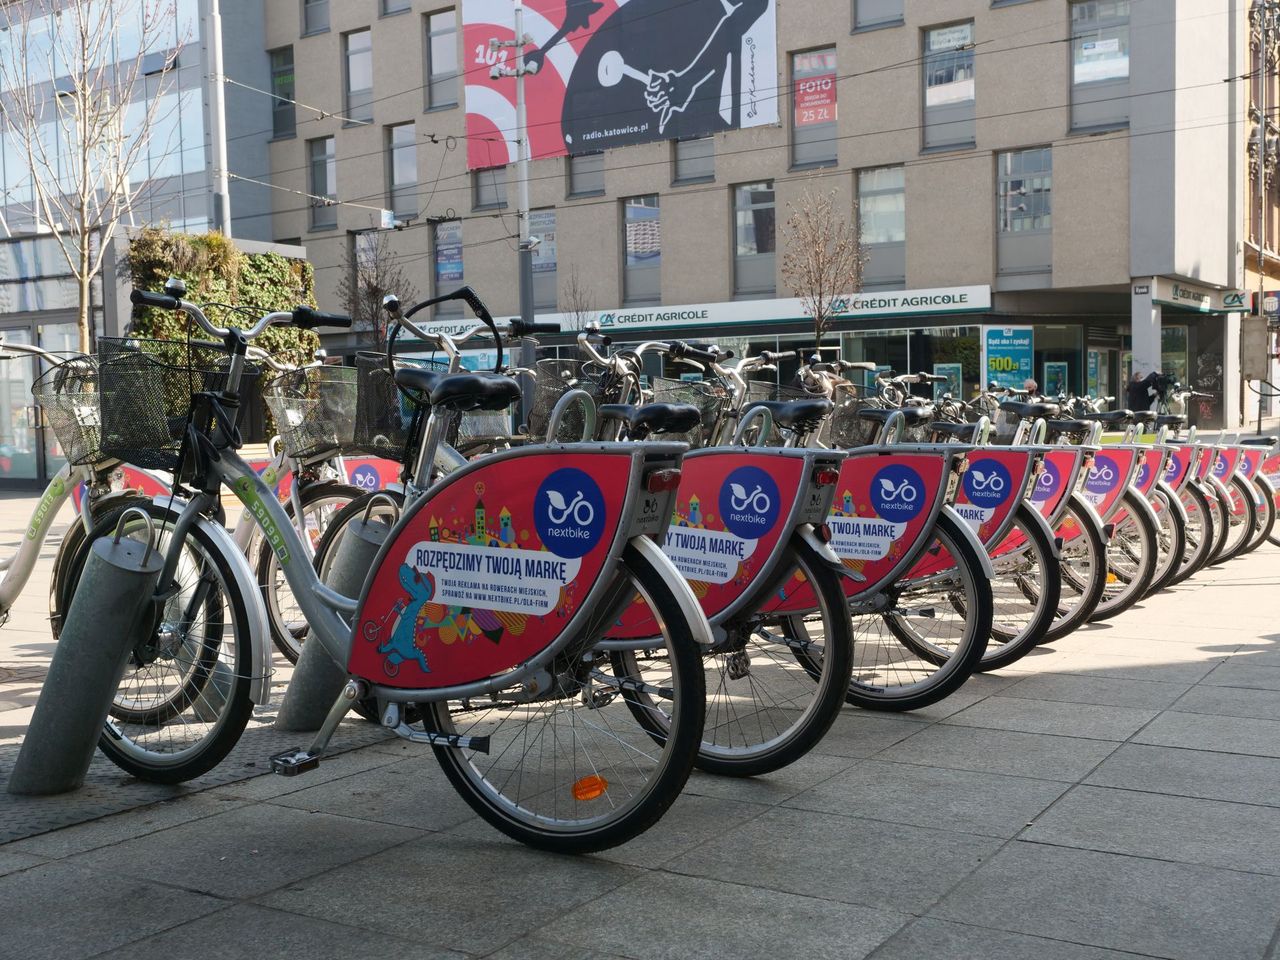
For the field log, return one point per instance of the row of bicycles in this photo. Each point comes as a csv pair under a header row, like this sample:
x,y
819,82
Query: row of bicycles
x,y
652,574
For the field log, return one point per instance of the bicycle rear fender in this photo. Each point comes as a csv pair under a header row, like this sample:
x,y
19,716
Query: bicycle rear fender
x,y
260,644
1109,477
994,482
734,514
501,564
875,530
1068,528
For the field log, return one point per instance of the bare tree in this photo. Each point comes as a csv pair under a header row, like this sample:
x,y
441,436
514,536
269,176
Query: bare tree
x,y
372,270
576,299
824,258
84,88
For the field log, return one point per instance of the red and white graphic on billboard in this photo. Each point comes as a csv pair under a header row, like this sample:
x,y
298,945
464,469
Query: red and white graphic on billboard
x,y
611,73
814,88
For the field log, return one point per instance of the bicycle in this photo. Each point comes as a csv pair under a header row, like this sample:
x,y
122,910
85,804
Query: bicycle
x,y
529,667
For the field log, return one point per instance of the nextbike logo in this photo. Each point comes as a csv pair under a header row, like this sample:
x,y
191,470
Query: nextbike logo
x,y
987,483
1220,466
365,477
568,513
1103,475
1173,469
1140,481
1047,483
749,503
897,493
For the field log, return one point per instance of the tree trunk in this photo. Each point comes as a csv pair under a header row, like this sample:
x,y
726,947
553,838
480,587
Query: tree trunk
x,y
84,318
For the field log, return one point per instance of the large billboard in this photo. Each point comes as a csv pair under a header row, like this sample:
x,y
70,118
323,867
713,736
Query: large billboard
x,y
616,72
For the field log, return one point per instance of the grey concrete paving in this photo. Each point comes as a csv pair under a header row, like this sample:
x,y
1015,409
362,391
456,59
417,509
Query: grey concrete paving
x,y
1116,794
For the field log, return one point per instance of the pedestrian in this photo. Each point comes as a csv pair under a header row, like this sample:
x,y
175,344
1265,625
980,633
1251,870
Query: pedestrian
x,y
1030,387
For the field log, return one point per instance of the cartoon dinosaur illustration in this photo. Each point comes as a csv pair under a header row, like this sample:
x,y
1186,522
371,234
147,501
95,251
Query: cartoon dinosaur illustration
x,y
401,646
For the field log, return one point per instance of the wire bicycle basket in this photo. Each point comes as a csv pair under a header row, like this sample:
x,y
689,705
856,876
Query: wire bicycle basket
x,y
710,397
553,378
315,410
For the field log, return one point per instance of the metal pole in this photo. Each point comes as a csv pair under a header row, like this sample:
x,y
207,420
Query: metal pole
x,y
522,173
218,120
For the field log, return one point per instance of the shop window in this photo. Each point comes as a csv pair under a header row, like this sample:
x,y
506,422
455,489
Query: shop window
x,y
402,171
446,246
694,160
542,224
489,188
813,113
882,226
323,186
876,13
442,59
1099,63
754,230
283,119
642,258
315,16
358,59
949,86
586,174
1024,212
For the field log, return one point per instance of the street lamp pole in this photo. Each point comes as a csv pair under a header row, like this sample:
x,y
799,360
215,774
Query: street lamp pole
x,y
520,71
218,120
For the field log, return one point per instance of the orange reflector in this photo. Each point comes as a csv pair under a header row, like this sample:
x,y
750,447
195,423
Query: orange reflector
x,y
590,787
660,480
823,532
825,478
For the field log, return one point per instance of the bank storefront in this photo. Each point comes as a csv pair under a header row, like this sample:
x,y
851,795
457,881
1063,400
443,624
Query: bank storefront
x,y
956,332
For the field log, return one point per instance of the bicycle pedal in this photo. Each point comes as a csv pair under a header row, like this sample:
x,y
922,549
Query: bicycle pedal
x,y
291,762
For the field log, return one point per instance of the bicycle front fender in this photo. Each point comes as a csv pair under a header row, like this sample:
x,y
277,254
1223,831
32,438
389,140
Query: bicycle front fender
x,y
256,609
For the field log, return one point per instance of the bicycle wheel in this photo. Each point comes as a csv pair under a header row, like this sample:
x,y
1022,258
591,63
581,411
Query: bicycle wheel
x,y
1171,540
1241,518
1200,533
183,701
571,771
931,634
320,504
1264,515
1131,559
1025,591
774,685
1083,565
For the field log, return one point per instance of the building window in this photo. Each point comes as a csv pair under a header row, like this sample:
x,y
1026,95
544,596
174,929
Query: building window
x,y
753,239
694,160
446,244
283,120
324,183
813,114
1099,63
402,171
1024,219
542,224
948,86
642,243
489,188
882,225
358,54
395,6
586,174
315,16
876,13
442,59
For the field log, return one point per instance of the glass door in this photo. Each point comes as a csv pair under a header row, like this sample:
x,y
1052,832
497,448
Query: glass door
x,y
20,442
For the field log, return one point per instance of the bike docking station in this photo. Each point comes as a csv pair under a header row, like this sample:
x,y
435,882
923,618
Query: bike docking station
x,y
318,680
110,614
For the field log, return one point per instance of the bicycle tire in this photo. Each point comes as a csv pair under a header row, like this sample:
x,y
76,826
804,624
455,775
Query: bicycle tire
x,y
1131,559
621,818
1171,540
1241,518
1200,533
1083,567
1022,614
931,672
210,719
1264,516
287,632
766,654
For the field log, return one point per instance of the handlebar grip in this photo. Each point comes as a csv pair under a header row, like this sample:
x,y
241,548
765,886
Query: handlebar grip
x,y
595,336
688,351
520,328
770,357
930,377
308,318
145,298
